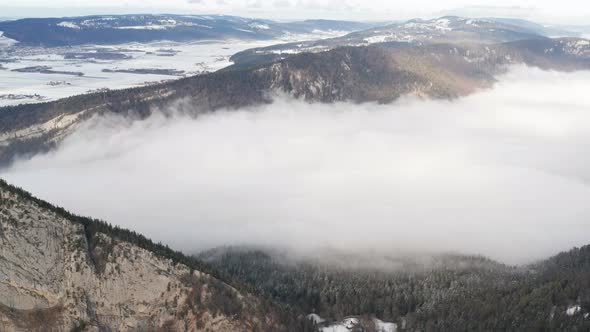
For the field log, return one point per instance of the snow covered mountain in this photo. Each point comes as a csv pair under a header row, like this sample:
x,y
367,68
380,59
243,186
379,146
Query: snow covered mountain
x,y
449,29
113,29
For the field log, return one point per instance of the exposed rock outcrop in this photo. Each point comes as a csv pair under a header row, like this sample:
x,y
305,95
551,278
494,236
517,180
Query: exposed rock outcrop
x,y
55,275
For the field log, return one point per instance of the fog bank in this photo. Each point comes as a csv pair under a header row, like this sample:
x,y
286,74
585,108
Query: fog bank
x,y
504,173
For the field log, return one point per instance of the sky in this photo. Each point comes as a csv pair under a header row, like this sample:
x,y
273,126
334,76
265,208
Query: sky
x,y
497,173
551,11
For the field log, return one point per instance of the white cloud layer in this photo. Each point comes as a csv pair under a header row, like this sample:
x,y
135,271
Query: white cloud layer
x,y
502,173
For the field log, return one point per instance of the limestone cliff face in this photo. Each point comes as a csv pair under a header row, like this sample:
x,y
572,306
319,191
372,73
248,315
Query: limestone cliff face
x,y
53,277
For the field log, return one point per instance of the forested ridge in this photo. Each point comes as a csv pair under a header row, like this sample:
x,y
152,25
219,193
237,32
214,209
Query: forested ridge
x,y
345,74
455,293
468,294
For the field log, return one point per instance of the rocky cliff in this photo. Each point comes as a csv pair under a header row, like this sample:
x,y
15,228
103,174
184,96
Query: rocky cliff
x,y
58,274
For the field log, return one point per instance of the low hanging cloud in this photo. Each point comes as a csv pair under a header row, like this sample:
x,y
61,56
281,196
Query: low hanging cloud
x,y
503,173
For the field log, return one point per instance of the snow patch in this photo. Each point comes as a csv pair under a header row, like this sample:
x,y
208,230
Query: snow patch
x,y
311,49
389,38
198,25
315,318
572,310
5,41
144,27
476,22
167,22
377,39
69,25
98,22
259,26
334,328
345,325
244,30
381,326
163,24
443,24
577,47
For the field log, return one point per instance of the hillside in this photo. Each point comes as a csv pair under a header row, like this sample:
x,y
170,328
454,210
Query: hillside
x,y
444,30
61,272
116,29
419,293
355,74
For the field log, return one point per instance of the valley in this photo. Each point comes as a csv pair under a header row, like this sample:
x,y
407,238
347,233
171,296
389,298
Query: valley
x,y
191,172
121,66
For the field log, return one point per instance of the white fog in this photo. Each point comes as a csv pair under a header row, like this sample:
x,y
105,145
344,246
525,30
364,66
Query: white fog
x,y
504,173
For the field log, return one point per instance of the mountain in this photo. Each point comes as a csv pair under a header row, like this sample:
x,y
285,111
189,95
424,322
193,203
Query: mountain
x,y
541,29
367,291
448,29
61,272
115,29
379,73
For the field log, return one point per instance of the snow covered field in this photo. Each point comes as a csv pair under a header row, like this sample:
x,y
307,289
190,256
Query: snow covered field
x,y
142,64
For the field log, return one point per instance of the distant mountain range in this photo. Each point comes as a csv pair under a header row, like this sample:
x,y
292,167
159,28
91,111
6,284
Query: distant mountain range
x,y
115,29
541,29
444,30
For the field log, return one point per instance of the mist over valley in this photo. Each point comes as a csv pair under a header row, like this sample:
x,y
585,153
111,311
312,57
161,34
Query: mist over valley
x,y
202,171
483,174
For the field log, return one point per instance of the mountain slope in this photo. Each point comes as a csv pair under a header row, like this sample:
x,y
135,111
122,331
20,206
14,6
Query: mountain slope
x,y
541,29
59,272
115,29
444,30
437,293
356,74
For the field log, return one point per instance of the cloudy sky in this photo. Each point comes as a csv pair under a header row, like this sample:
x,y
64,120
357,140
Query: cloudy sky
x,y
565,11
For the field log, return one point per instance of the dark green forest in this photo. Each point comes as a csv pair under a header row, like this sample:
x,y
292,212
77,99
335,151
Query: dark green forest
x,y
467,294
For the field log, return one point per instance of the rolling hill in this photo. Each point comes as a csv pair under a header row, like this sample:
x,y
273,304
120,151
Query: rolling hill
x,y
444,30
116,29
